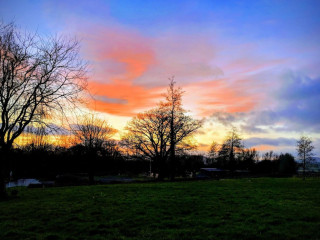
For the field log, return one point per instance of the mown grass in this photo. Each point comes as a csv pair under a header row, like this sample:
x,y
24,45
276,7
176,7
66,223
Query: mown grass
x,y
226,209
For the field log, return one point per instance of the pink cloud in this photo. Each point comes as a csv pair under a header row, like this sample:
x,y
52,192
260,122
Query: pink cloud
x,y
118,55
131,70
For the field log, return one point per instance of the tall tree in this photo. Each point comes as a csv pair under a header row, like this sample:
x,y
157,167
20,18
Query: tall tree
x,y
181,125
160,132
93,134
305,152
38,77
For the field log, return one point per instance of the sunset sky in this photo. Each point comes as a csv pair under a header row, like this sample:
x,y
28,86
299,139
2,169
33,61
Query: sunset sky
x,y
249,64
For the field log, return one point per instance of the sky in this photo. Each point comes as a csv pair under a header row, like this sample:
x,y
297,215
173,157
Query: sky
x,y
249,64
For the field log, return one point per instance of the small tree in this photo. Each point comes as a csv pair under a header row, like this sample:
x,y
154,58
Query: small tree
x,y
93,134
213,152
37,137
230,148
270,156
305,152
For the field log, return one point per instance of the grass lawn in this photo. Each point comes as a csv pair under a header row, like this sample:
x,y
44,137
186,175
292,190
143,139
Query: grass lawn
x,y
226,209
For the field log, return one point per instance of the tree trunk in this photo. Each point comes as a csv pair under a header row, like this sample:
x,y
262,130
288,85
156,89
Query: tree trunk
x,y
3,192
172,162
92,162
4,153
172,148
162,168
304,166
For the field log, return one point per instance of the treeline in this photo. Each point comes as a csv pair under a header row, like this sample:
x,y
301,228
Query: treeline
x,y
232,155
49,162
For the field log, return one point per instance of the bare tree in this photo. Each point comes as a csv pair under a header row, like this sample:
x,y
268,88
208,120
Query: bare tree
x,y
214,151
248,158
147,135
305,152
270,156
38,77
37,137
181,124
231,146
93,134
173,104
159,133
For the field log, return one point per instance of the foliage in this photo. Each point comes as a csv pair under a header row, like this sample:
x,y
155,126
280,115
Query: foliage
x,y
287,165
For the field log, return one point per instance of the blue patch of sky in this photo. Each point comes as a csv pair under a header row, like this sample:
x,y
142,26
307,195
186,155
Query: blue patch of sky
x,y
247,20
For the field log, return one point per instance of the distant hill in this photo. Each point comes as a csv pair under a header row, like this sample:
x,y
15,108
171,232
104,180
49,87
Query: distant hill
x,y
316,159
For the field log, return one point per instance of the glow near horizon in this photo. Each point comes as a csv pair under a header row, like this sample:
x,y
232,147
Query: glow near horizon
x,y
247,63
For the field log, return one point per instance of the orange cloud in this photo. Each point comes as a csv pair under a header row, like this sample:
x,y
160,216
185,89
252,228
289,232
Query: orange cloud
x,y
125,62
117,55
118,58
221,95
122,99
265,148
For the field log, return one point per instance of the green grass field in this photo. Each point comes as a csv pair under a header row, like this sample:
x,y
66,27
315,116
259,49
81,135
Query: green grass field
x,y
226,209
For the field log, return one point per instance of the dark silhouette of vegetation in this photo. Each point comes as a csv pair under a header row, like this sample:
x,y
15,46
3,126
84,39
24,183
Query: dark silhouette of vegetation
x,y
38,78
287,165
93,136
230,150
232,155
305,152
160,133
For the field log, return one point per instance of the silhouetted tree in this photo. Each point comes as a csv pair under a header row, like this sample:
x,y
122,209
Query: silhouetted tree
x,y
93,134
37,136
231,147
147,135
181,125
38,77
305,152
269,164
287,165
270,156
161,132
214,152
248,158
